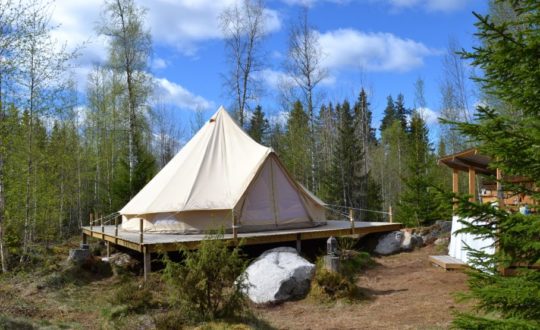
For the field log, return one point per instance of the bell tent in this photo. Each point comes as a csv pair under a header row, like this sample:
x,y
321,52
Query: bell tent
x,y
219,176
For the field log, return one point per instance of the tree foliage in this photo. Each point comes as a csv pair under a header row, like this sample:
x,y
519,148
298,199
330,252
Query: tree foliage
x,y
508,56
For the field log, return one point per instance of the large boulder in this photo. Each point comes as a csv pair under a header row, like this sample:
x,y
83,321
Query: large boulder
x,y
390,243
431,233
410,240
278,275
122,263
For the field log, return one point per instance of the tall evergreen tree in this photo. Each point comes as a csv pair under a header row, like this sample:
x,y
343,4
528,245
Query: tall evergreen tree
x,y
421,203
294,152
258,126
389,113
508,56
401,111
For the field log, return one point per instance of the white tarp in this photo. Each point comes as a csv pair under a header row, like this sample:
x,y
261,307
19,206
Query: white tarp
x,y
458,242
222,170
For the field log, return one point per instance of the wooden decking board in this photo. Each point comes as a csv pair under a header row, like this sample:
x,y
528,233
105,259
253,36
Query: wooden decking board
x,y
171,242
447,262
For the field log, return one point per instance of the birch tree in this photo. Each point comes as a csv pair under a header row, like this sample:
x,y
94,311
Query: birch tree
x,y
129,51
243,26
304,65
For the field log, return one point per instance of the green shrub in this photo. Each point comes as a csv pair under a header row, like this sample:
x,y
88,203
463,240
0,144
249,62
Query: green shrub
x,y
342,284
129,298
206,285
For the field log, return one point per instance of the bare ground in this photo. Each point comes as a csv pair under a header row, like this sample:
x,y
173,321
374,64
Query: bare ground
x,y
404,291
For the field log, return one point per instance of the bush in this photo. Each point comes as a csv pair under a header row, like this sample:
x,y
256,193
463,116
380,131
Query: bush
x,y
342,284
206,285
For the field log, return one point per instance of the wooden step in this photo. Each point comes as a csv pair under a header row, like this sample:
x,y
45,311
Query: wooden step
x,y
447,262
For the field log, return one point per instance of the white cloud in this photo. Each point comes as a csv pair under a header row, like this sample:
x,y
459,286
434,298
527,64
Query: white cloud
x,y
430,116
183,24
158,63
430,5
276,79
349,48
174,94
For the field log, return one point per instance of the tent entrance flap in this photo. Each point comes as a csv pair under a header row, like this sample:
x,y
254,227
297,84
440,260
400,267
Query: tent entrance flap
x,y
272,199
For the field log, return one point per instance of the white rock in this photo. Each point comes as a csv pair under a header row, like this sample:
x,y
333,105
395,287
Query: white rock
x,y
390,243
277,275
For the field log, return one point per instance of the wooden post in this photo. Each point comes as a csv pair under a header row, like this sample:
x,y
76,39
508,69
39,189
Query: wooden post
x,y
351,219
298,243
102,226
390,215
141,230
147,266
108,244
472,184
455,186
234,228
84,238
500,192
91,221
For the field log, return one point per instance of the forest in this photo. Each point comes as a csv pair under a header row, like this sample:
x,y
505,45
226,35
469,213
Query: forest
x,y
66,154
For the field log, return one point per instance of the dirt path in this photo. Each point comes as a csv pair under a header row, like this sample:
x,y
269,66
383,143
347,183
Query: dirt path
x,y
404,290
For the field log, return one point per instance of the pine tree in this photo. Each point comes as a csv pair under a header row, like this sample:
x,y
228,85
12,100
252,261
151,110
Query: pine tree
x,y
509,59
294,154
347,175
258,126
389,113
401,112
420,203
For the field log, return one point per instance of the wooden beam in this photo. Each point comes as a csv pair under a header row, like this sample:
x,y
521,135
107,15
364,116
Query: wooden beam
x,y
472,184
455,186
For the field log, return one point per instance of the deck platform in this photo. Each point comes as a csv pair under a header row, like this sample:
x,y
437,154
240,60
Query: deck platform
x,y
448,262
148,243
154,242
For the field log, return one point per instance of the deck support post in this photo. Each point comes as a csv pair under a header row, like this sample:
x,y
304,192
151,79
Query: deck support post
x,y
84,238
298,243
91,221
146,263
390,215
108,245
472,184
351,219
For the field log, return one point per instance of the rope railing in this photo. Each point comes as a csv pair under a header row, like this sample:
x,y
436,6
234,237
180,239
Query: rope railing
x,y
336,208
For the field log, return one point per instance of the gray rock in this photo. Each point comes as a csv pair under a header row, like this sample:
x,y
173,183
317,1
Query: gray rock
x,y
431,233
390,243
408,243
79,256
278,275
442,241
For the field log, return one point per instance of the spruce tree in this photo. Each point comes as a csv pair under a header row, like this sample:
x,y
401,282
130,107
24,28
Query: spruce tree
x,y
420,202
509,58
295,154
258,126
401,111
389,113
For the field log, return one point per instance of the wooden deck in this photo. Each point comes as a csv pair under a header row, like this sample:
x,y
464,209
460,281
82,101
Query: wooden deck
x,y
154,242
447,262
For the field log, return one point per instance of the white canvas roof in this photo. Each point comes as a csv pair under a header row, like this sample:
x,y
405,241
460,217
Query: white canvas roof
x,y
212,171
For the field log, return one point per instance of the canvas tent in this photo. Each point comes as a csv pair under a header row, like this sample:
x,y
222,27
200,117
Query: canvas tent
x,y
219,174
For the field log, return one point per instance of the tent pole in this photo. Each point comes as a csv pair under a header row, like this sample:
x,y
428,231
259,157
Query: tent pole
x,y
351,219
234,229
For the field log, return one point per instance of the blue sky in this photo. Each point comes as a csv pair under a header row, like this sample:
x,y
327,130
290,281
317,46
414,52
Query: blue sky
x,y
383,45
